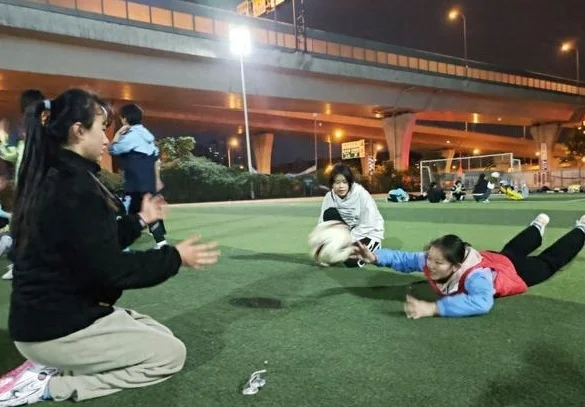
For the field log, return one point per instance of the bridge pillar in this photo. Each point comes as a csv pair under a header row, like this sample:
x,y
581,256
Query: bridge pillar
x,y
398,131
448,154
262,145
547,134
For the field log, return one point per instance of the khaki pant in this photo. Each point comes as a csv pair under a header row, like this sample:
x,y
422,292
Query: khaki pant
x,y
123,350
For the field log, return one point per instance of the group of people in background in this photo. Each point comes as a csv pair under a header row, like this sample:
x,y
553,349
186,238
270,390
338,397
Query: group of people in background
x,y
434,193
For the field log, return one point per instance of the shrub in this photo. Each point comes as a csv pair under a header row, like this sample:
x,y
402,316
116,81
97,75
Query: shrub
x,y
199,180
385,178
112,181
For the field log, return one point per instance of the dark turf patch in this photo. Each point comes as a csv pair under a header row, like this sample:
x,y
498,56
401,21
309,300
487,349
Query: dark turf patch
x,y
257,302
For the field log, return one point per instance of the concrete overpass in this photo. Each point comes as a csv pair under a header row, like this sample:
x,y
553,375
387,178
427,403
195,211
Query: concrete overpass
x,y
177,63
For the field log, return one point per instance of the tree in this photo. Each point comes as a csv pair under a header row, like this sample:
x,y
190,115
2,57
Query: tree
x,y
575,144
176,148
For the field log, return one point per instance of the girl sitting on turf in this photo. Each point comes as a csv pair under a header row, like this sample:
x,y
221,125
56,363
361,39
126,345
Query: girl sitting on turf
x,y
468,280
70,273
350,203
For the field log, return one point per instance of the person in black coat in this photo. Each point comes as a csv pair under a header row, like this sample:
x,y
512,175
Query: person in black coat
x,y
70,271
481,191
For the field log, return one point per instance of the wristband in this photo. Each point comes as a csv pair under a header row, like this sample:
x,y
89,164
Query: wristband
x,y
142,222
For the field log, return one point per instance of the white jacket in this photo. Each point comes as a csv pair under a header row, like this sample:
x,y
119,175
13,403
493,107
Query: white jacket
x,y
359,210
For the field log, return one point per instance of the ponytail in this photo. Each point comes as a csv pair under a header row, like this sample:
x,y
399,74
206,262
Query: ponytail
x,y
36,158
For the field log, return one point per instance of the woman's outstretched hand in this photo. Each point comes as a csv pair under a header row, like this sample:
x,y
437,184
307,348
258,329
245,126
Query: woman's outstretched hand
x,y
198,255
415,309
361,252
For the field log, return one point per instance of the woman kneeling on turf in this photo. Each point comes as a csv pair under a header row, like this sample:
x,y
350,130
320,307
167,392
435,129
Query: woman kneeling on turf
x,y
468,280
69,272
350,203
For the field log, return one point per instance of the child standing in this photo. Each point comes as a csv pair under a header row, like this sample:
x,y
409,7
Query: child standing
x,y
134,144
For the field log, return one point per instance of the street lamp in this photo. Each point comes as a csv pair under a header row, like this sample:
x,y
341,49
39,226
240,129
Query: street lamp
x,y
453,15
241,45
232,143
329,142
568,47
315,137
338,133
377,148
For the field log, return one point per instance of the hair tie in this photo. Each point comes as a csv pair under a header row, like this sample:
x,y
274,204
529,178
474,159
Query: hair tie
x,y
47,103
105,113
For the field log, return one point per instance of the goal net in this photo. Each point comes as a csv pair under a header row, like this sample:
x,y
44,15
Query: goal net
x,y
446,171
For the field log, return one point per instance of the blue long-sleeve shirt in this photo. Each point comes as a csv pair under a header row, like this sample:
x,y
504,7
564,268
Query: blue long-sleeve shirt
x,y
137,139
479,286
138,155
400,193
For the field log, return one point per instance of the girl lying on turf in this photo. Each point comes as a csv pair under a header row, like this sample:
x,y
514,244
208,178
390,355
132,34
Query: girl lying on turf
x,y
69,273
467,280
350,203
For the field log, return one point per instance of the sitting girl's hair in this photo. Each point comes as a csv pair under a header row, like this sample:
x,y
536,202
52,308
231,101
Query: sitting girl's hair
x,y
451,247
341,169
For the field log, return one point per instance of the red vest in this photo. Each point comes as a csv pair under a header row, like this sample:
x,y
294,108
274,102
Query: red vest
x,y
506,281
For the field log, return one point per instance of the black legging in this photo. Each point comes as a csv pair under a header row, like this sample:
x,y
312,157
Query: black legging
x,y
536,269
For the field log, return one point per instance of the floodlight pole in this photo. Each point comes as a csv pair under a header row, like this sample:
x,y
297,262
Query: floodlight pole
x,y
246,125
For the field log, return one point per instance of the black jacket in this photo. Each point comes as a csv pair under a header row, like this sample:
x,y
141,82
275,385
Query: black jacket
x,y
73,270
481,186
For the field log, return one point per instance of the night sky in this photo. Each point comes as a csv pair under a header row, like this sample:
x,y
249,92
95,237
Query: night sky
x,y
519,34
523,34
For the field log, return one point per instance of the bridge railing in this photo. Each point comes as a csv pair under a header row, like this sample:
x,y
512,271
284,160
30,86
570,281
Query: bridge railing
x,y
197,20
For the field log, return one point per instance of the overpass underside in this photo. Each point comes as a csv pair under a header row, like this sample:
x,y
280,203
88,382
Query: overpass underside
x,y
191,110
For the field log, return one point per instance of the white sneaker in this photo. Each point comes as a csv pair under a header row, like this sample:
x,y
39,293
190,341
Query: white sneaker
x,y
27,387
8,378
8,275
581,223
540,222
542,219
160,244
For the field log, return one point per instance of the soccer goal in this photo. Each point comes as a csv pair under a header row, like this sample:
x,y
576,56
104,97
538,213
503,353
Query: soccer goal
x,y
446,171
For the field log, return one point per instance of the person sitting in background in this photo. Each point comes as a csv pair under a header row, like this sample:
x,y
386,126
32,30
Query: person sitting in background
x,y
458,191
482,189
397,195
435,193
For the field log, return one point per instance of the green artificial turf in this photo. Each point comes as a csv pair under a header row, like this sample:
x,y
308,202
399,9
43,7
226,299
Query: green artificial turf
x,y
337,336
